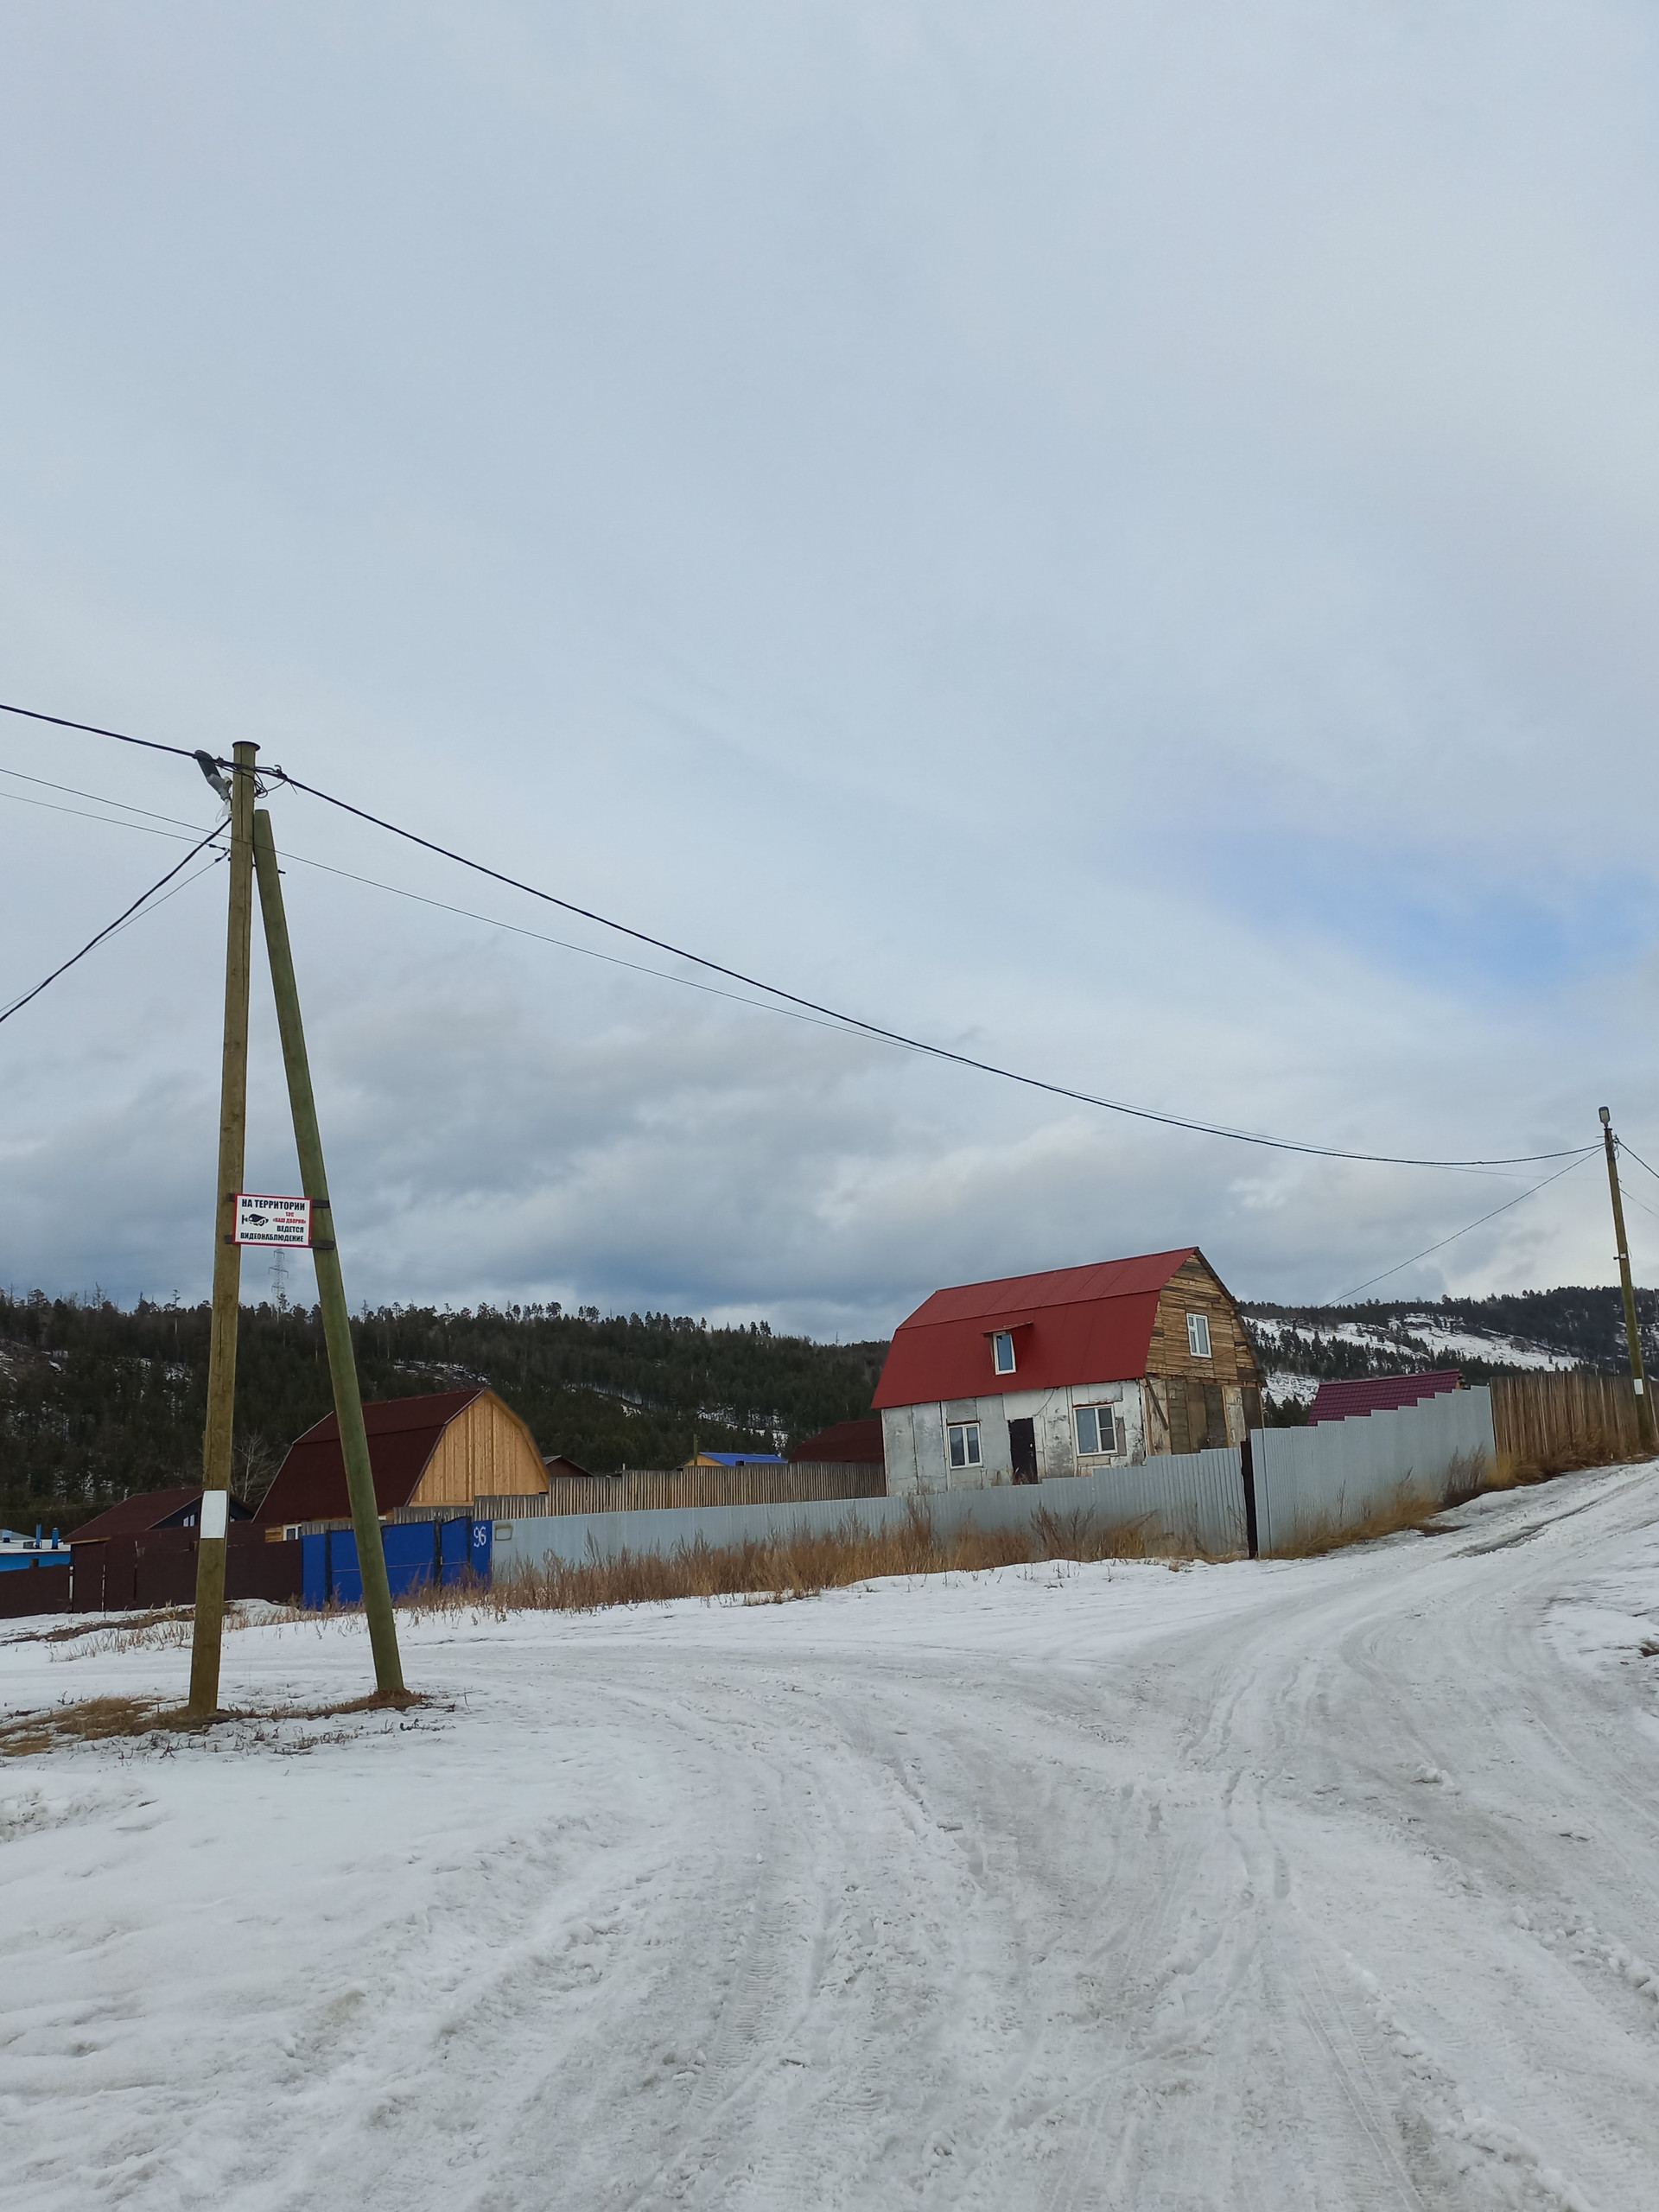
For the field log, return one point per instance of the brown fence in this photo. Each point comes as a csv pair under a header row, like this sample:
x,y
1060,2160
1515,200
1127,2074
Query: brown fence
x,y
113,1574
646,1489
26,1590
1554,1422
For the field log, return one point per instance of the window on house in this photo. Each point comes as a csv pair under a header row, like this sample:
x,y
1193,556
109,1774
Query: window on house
x,y
1097,1431
1003,1352
1197,1335
964,1444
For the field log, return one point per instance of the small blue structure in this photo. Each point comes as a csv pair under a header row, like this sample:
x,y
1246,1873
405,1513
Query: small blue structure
x,y
420,1554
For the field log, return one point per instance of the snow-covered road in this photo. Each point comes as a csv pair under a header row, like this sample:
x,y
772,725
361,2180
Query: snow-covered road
x,y
1321,1884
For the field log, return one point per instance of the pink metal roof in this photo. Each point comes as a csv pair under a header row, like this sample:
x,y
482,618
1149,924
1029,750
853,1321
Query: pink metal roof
x,y
1375,1394
1074,1324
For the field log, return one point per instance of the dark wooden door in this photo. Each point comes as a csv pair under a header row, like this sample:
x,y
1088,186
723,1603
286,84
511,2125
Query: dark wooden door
x,y
1022,1446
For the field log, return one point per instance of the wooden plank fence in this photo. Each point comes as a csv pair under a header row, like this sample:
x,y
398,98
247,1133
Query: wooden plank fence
x,y
648,1490
1554,1422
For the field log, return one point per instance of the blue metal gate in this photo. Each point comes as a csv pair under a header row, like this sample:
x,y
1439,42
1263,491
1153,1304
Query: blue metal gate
x,y
419,1554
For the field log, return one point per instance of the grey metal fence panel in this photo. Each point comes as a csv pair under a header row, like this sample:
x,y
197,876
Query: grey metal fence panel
x,y
1337,1473
1192,1502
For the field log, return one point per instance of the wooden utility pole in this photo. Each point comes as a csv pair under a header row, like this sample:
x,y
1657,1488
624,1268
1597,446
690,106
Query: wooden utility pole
x,y
214,1517
1643,1403
330,1288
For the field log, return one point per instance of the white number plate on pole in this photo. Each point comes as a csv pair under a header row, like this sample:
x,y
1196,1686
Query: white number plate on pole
x,y
272,1221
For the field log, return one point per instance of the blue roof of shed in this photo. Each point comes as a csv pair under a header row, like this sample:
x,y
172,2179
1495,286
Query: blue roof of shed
x,y
746,1458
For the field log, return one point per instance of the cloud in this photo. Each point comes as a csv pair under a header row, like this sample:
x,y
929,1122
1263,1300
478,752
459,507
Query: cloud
x,y
1120,541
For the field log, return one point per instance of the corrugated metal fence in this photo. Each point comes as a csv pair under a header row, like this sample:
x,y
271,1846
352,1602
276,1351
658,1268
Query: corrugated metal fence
x,y
1310,1482
1195,1502
1307,1481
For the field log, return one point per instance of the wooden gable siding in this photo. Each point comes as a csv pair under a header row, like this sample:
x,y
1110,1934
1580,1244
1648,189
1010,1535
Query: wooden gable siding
x,y
1200,1402
485,1452
1195,1288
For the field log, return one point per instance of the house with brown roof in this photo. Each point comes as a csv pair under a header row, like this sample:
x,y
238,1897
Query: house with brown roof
x,y
1066,1373
149,1510
443,1449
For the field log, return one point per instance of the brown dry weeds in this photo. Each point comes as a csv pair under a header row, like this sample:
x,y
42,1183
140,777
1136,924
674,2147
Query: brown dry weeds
x,y
773,1573
100,1720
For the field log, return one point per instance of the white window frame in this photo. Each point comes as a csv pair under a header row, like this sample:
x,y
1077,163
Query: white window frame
x,y
1104,1417
1000,1338
1197,1335
967,1432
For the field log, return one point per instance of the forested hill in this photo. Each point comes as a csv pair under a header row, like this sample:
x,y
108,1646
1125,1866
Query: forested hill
x,y
95,1402
1300,1346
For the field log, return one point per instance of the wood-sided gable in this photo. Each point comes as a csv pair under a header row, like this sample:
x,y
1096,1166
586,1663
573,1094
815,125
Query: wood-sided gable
x,y
1197,1402
486,1451
1195,1287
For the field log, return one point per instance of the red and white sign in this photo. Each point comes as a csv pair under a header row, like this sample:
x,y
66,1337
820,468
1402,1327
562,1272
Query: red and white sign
x,y
272,1221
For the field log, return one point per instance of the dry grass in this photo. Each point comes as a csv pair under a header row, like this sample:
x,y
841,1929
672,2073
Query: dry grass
x,y
785,1567
1406,1509
1575,1450
101,1719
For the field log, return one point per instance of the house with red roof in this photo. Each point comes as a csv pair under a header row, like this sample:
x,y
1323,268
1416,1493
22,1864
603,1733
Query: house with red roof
x,y
1065,1373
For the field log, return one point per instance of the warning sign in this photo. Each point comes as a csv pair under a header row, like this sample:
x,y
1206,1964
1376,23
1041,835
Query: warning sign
x,y
272,1221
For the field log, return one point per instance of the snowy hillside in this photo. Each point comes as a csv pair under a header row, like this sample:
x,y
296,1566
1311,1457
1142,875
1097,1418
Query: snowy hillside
x,y
1534,1332
1296,1885
1297,1354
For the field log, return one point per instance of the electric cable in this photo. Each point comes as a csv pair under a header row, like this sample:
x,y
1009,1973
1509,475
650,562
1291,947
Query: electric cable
x,y
857,1022
72,791
1637,1157
565,944
1464,1231
420,898
17,1004
132,921
112,821
91,729
834,1014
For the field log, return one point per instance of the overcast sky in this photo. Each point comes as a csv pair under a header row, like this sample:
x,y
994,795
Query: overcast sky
x,y
1121,539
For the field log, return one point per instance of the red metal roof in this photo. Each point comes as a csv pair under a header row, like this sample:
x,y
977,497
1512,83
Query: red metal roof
x,y
148,1510
1375,1394
1076,1325
403,1433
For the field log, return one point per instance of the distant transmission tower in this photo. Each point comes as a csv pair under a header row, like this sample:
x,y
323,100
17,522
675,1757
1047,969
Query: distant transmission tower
x,y
279,1279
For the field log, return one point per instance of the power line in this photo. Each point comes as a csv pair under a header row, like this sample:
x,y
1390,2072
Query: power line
x,y
113,821
1464,1231
899,1037
835,1014
565,944
91,729
1638,1158
420,898
17,1004
72,791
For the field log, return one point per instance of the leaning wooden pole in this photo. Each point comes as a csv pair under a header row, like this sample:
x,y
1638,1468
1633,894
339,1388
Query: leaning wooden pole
x,y
1632,1333
207,1633
331,1288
